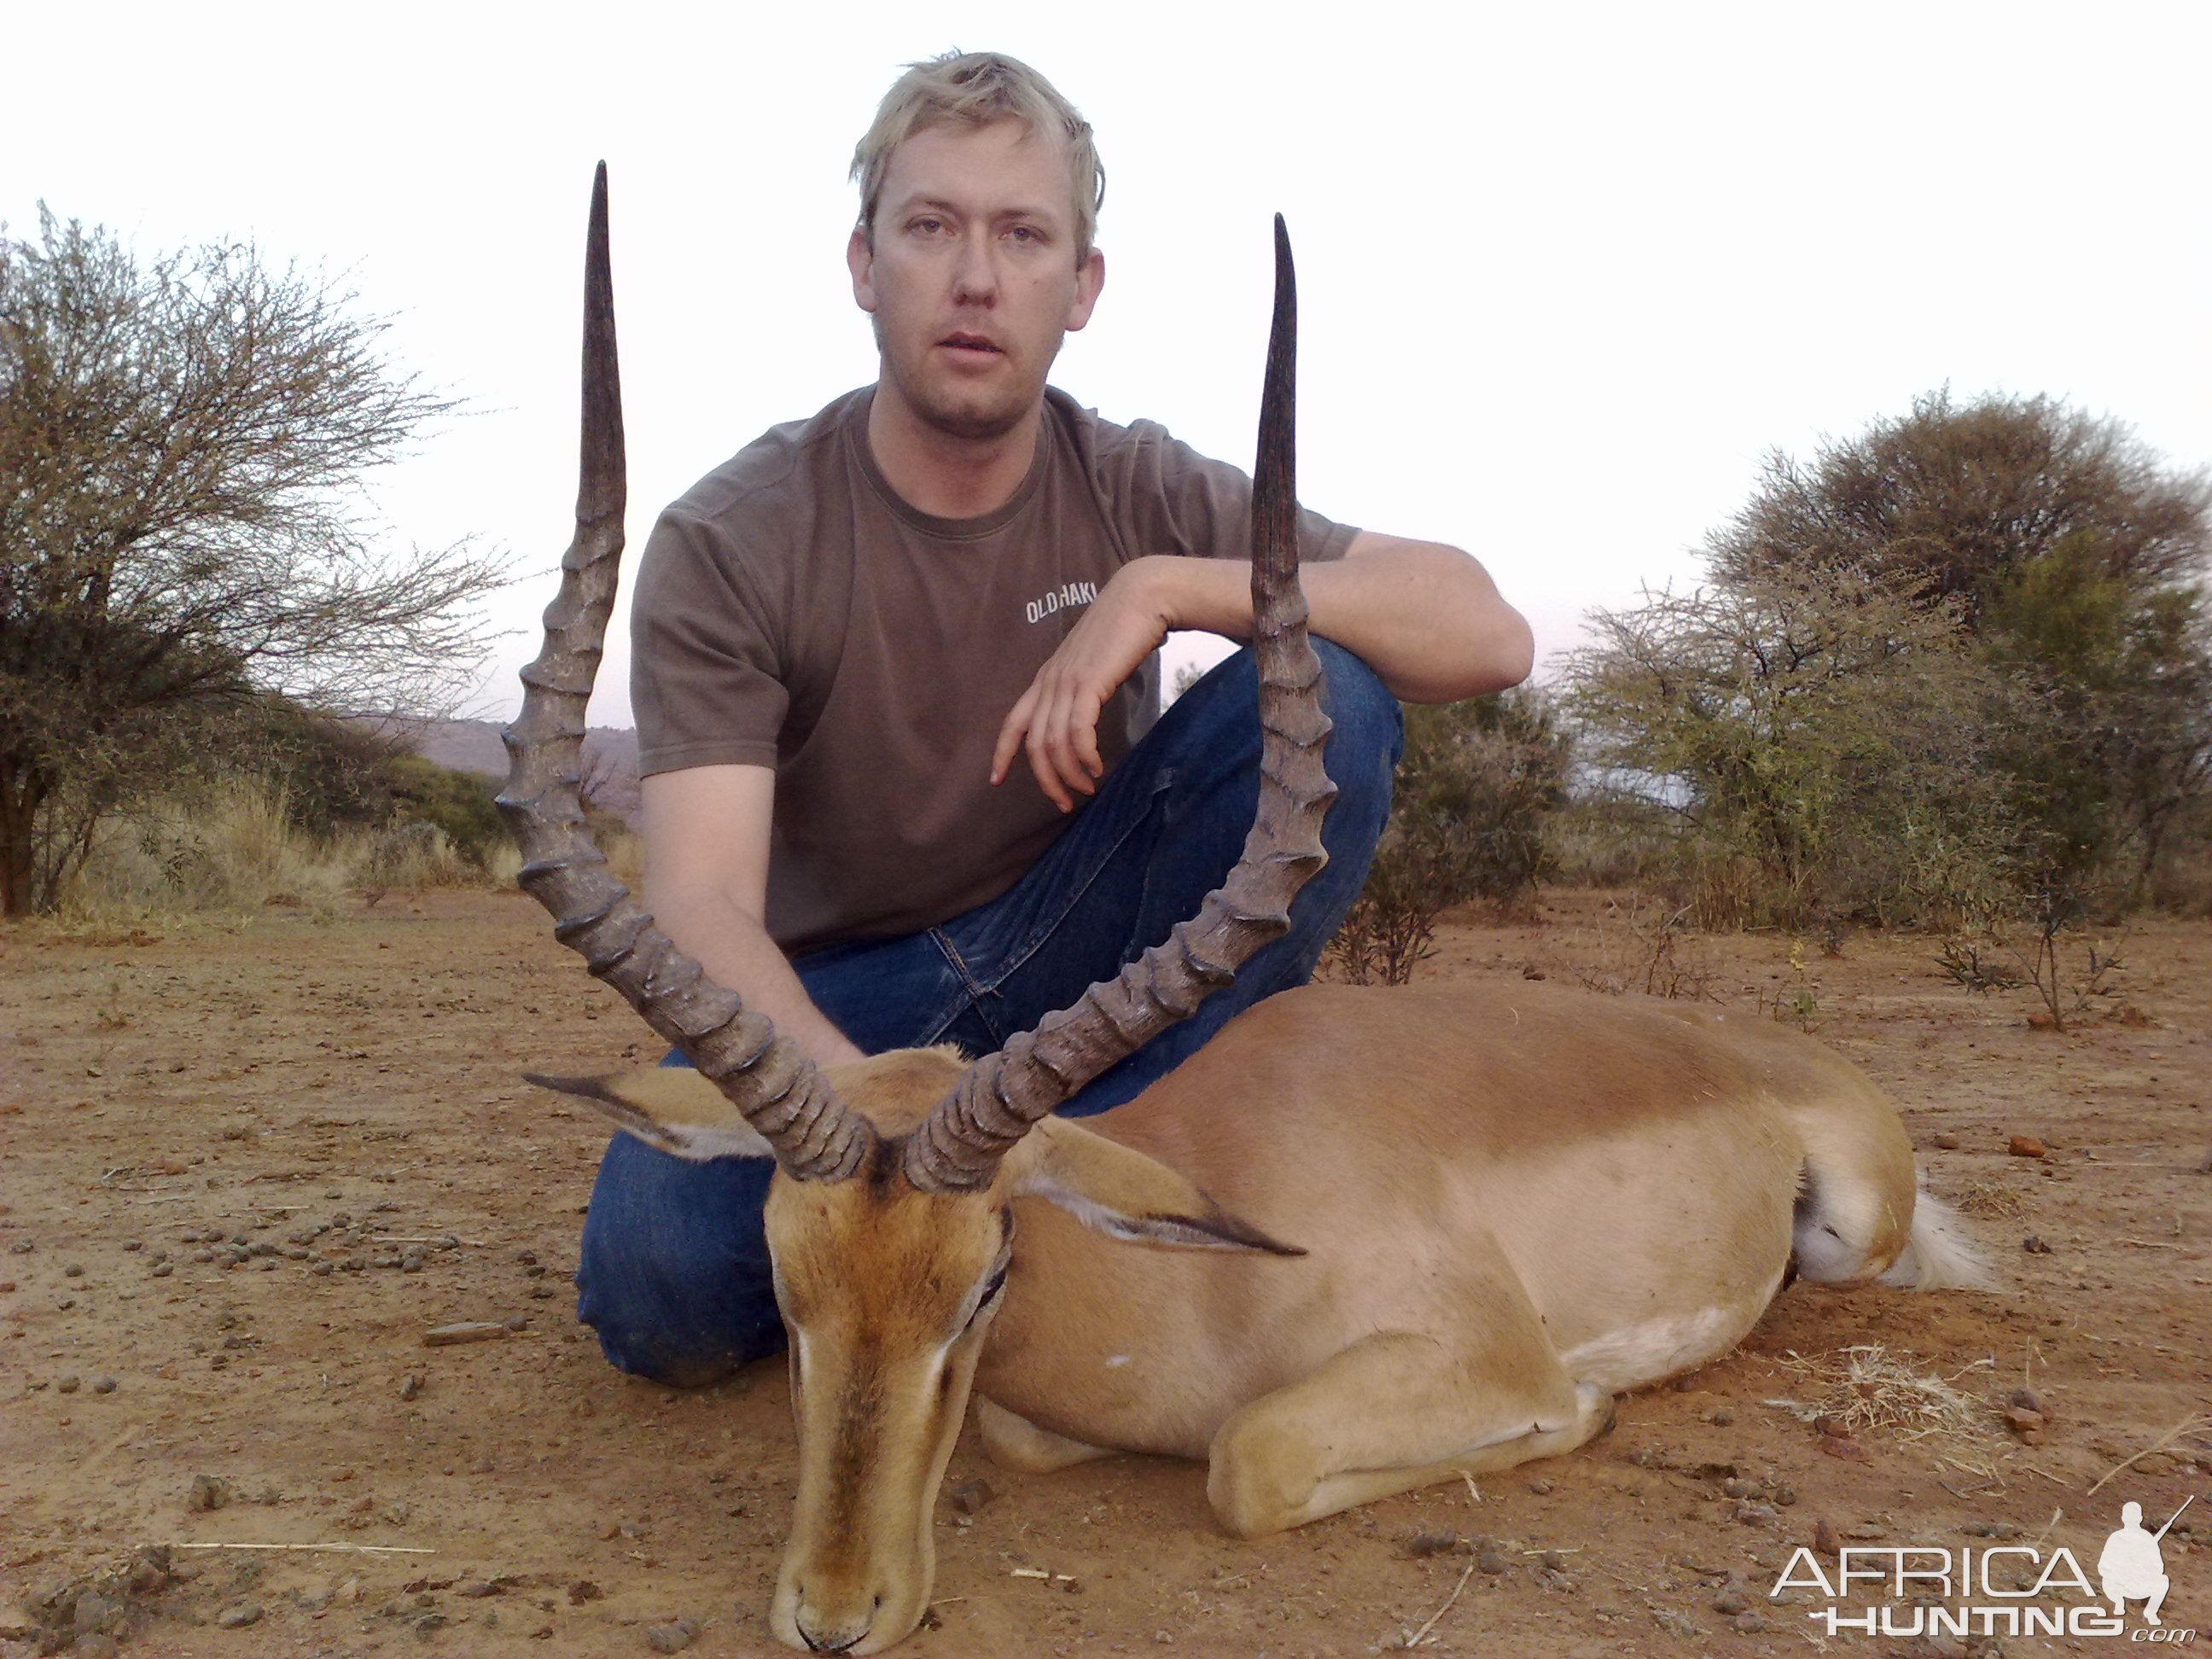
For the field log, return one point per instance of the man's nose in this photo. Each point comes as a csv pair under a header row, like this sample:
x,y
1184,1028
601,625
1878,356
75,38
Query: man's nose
x,y
976,275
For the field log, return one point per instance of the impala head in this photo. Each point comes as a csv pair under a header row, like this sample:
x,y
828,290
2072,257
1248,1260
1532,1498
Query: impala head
x,y
889,1219
887,1292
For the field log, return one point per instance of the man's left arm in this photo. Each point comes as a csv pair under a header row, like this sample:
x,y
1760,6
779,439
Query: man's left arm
x,y
1426,617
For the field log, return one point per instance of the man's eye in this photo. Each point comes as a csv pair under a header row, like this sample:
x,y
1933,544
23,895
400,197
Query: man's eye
x,y
1023,234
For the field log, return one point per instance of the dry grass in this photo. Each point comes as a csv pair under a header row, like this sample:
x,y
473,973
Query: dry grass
x,y
1991,1198
235,851
1878,1393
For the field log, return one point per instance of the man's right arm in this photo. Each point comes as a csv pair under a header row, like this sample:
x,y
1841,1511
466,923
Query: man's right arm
x,y
706,880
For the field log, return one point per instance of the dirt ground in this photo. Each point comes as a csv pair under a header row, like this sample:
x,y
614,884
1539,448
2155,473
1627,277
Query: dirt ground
x,y
314,1092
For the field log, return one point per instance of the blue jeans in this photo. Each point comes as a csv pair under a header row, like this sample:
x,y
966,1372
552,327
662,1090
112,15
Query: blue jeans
x,y
675,1270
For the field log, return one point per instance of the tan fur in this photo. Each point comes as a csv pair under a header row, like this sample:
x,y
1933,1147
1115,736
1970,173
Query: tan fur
x,y
1443,1228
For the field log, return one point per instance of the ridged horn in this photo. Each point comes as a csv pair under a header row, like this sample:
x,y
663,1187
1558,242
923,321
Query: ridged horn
x,y
996,1100
815,1136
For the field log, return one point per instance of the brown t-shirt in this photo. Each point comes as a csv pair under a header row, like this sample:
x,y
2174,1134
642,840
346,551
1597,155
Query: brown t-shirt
x,y
792,611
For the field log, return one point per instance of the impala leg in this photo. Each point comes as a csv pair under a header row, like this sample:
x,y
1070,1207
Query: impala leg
x,y
1390,1414
1015,1443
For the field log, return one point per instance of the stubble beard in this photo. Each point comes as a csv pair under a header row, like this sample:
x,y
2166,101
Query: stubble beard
x,y
956,417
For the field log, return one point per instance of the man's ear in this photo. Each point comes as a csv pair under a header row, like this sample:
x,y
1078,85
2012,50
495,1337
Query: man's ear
x,y
861,260
1090,279
1125,1194
672,1109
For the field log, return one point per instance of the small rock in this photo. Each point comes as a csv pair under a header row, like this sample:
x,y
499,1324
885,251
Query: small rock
x,y
1829,1424
74,1270
1552,1561
477,1586
1849,1450
1825,1539
583,1590
2028,1400
671,1638
1757,1515
519,1322
68,1385
1742,1489
1783,1495
2035,1245
410,1385
163,1269
1431,1541
98,1613
203,1255
104,1385
23,1246
1947,1142
1747,1622
1720,1420
1730,1604
2026,1146
347,1594
972,1496
238,1617
207,1493
1491,1562
2021,1420
1541,1488
93,1645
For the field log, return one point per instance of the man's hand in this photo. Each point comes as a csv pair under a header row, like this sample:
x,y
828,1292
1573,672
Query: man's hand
x,y
1426,617
1056,721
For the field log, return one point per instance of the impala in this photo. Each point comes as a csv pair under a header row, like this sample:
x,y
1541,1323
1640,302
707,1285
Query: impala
x,y
1362,1241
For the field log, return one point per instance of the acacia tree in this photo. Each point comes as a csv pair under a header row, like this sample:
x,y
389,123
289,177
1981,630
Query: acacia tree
x,y
1822,741
2071,555
181,526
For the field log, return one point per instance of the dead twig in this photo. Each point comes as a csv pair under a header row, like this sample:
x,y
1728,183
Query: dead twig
x,y
2187,1426
356,1549
1421,1635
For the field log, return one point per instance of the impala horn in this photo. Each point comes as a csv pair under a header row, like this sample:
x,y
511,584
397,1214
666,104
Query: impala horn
x,y
999,1097
815,1135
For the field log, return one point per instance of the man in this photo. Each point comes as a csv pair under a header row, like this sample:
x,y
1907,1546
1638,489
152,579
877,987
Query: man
x,y
892,690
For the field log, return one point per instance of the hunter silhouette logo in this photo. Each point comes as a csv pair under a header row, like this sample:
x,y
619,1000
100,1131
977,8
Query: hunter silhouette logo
x,y
1935,1590
2132,1566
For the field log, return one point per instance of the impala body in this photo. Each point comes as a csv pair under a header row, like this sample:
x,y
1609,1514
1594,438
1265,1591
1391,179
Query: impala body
x,y
1363,1241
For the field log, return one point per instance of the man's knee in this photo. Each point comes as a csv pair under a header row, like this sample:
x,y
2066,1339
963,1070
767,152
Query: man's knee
x,y
1367,734
674,1275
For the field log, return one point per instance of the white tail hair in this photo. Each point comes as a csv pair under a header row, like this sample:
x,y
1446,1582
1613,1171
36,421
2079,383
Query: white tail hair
x,y
1941,1255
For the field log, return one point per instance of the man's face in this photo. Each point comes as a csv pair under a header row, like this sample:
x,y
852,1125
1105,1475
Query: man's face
x,y
972,279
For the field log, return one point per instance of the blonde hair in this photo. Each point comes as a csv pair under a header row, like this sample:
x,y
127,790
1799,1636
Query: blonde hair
x,y
974,89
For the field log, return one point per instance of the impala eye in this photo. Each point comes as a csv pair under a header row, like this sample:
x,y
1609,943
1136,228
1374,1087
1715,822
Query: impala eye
x,y
996,1283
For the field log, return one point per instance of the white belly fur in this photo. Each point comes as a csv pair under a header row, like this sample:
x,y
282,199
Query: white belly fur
x,y
1641,1354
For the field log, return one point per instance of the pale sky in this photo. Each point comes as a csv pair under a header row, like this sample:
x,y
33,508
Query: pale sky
x,y
1566,273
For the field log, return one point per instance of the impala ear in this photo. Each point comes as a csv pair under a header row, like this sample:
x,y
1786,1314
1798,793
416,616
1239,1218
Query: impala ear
x,y
672,1109
1123,1193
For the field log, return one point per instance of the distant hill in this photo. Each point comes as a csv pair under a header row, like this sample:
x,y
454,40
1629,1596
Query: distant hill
x,y
609,758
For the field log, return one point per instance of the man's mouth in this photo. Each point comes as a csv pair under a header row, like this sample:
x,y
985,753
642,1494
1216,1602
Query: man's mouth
x,y
975,343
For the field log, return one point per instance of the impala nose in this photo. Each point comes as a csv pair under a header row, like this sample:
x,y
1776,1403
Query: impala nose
x,y
835,1640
